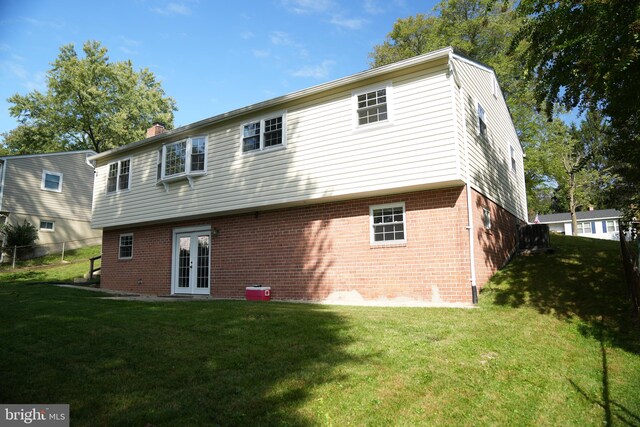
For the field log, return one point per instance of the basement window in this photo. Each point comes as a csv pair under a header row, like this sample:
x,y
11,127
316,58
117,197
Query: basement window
x,y
387,224
125,247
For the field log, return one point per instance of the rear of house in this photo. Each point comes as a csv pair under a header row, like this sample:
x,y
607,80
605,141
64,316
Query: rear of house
x,y
403,183
53,192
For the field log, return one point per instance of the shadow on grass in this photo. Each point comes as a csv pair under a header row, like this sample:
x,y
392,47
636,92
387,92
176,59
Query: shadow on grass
x,y
581,280
182,363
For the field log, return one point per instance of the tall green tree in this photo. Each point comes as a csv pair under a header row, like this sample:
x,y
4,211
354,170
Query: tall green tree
x,y
90,103
585,54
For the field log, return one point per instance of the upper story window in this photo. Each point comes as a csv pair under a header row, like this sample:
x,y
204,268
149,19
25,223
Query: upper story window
x,y
119,176
512,152
482,121
372,105
387,223
51,181
185,157
264,133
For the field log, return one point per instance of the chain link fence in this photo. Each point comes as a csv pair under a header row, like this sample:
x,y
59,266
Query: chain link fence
x,y
11,254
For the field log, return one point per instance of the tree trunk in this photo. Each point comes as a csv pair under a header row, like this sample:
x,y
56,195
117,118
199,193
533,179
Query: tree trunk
x,y
572,204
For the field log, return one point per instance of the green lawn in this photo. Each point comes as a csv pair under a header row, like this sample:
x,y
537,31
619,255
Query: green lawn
x,y
550,344
51,268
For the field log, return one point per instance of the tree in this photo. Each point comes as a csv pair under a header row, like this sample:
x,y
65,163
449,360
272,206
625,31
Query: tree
x,y
585,54
90,103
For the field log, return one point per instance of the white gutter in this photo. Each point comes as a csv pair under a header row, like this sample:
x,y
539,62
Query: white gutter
x,y
472,257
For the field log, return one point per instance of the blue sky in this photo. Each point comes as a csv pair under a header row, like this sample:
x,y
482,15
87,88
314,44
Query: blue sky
x,y
211,56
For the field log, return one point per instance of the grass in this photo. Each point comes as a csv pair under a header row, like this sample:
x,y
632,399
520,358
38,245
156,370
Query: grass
x,y
551,343
51,268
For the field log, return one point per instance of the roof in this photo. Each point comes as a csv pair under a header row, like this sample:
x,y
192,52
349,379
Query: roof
x,y
443,53
24,156
583,215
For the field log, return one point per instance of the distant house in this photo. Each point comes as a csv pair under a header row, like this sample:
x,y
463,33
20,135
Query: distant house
x,y
598,224
401,183
53,192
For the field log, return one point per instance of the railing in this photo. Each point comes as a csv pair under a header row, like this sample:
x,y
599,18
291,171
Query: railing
x,y
630,248
92,268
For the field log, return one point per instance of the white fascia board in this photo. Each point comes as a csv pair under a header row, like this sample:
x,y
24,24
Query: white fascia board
x,y
59,153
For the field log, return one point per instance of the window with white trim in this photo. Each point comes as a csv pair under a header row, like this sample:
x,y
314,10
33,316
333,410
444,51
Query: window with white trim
x,y
482,121
47,226
612,226
372,107
263,134
584,228
183,158
125,246
118,177
51,181
387,223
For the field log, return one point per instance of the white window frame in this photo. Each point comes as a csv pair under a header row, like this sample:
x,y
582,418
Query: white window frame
x,y
44,177
581,227
613,226
120,245
261,121
188,172
481,113
387,86
119,175
47,230
372,225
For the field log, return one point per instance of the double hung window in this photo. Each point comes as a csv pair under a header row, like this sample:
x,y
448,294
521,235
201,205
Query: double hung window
x,y
125,246
51,181
372,105
482,121
119,176
264,134
387,224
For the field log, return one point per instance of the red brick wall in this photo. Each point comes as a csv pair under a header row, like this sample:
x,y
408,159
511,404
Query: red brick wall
x,y
492,246
306,253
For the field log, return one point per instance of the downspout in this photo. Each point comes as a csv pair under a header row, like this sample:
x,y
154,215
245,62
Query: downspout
x,y
2,169
465,141
472,241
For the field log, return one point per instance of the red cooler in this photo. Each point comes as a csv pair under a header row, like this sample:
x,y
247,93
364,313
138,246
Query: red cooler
x,y
258,293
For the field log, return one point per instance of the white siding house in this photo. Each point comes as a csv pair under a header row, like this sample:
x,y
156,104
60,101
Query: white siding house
x,y
435,126
596,224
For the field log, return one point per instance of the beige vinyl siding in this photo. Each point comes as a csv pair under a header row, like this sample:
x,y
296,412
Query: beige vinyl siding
x,y
22,192
489,158
326,157
74,232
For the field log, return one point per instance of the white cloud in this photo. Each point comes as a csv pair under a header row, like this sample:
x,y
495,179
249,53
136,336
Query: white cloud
x,y
281,38
246,35
372,7
305,7
173,9
261,53
352,24
315,71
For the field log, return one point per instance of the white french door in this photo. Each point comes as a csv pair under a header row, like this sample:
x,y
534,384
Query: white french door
x,y
191,262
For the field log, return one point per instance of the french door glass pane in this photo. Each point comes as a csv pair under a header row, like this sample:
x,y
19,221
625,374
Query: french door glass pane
x,y
202,278
184,261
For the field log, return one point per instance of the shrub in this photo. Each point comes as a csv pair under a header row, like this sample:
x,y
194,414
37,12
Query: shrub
x,y
23,236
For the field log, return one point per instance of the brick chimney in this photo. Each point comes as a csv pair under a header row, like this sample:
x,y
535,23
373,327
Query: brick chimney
x,y
156,129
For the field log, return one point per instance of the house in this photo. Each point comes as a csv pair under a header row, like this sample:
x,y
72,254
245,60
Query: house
x,y
53,192
399,184
598,224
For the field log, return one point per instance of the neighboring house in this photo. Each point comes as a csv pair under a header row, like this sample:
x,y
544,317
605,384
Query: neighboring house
x,y
54,193
403,183
599,224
